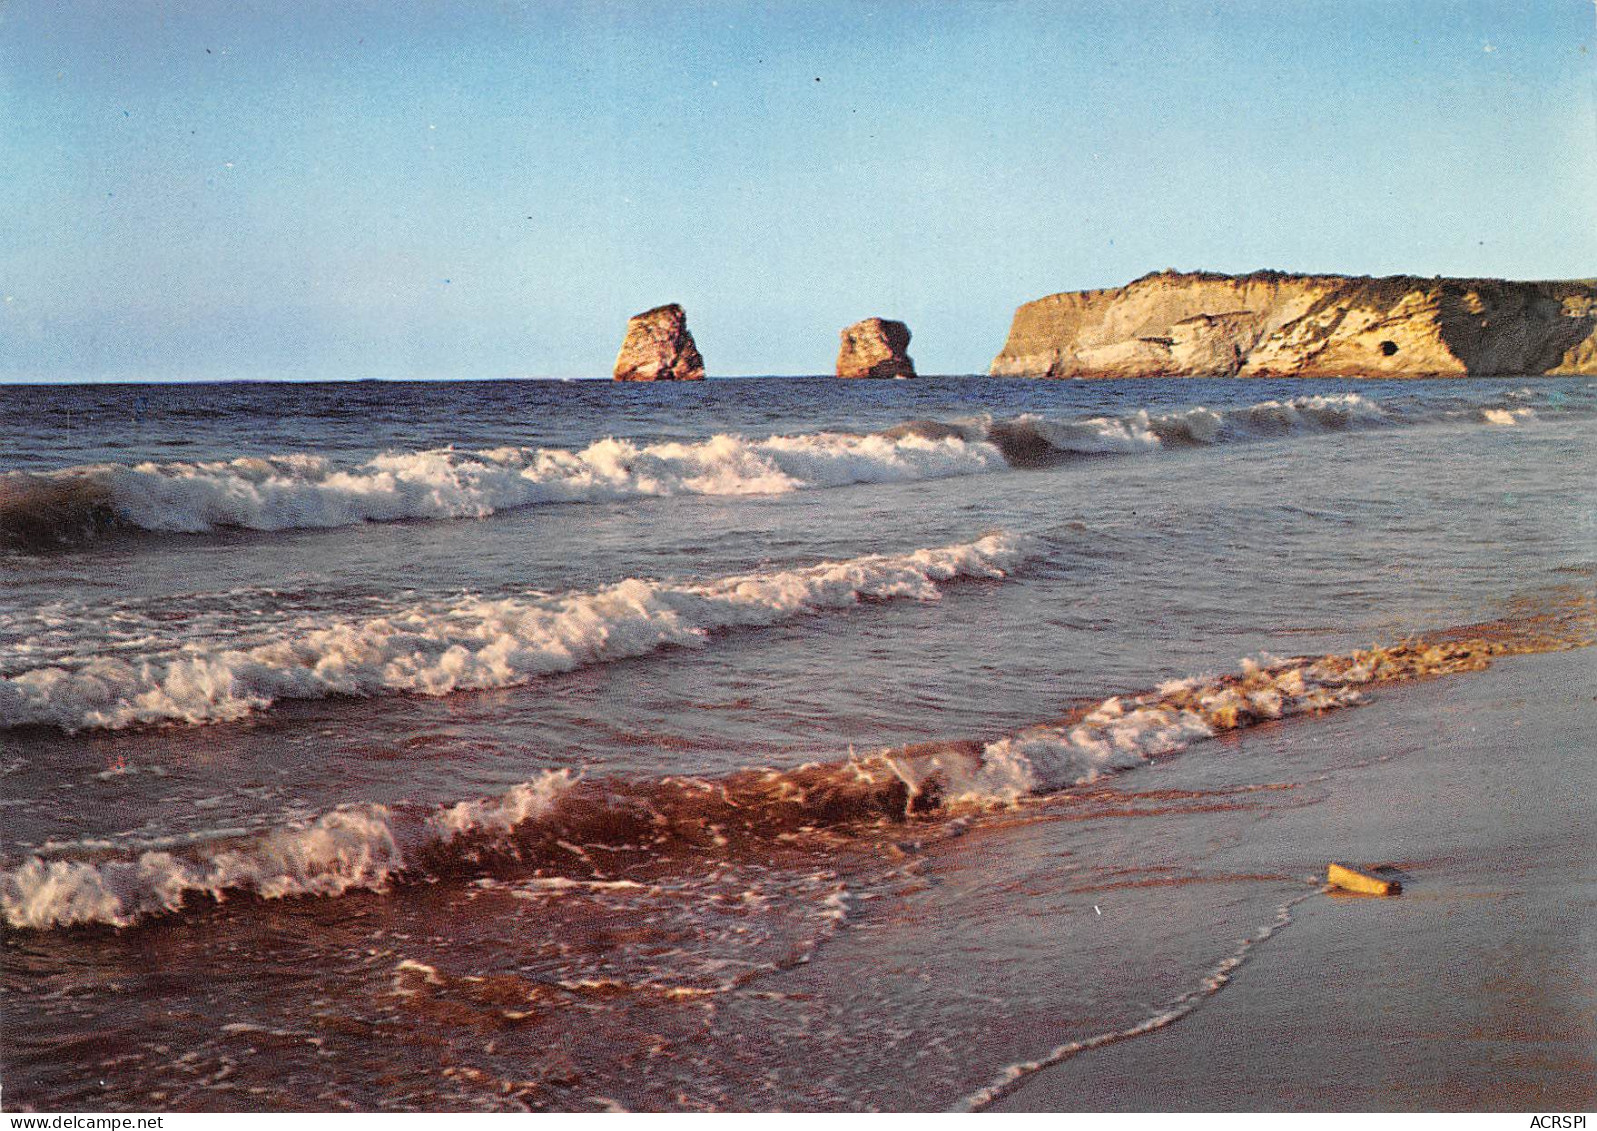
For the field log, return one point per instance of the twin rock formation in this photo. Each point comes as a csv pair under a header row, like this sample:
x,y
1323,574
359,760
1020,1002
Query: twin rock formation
x,y
658,347
1270,324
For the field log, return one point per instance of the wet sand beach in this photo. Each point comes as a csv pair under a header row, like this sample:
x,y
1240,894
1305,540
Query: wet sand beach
x,y
1475,989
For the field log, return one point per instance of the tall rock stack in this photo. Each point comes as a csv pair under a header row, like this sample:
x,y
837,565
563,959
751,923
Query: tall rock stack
x,y
875,348
658,347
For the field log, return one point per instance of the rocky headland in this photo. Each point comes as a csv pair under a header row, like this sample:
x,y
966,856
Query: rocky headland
x,y
658,347
1271,324
875,348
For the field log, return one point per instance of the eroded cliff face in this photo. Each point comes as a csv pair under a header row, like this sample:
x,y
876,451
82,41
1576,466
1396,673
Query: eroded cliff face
x,y
1270,324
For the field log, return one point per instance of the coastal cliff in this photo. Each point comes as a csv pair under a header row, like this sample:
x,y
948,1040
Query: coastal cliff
x,y
1271,324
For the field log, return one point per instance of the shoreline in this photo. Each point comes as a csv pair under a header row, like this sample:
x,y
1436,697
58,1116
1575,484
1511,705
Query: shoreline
x,y
1473,990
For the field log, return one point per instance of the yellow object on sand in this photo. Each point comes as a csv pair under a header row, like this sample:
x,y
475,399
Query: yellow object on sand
x,y
1350,880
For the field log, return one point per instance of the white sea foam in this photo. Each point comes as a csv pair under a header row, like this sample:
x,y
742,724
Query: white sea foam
x,y
298,491
366,846
501,814
473,642
1124,732
344,849
354,848
1507,416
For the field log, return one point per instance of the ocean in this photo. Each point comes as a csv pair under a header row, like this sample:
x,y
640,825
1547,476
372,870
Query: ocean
x,y
766,743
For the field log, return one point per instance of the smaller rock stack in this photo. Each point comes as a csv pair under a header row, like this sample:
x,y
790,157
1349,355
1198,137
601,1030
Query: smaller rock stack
x,y
875,348
658,347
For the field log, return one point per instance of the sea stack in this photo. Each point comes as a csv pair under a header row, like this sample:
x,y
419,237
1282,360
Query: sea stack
x,y
875,348
658,347
1270,324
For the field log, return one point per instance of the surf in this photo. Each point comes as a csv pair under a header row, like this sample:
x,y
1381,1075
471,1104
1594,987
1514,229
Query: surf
x,y
307,491
536,823
473,642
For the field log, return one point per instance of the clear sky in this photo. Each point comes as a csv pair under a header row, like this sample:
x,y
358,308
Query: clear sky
x,y
260,188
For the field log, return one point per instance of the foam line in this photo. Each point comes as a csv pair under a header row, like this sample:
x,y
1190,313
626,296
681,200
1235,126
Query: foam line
x,y
474,642
307,491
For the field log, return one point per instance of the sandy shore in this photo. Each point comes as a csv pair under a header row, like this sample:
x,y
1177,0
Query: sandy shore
x,y
1476,989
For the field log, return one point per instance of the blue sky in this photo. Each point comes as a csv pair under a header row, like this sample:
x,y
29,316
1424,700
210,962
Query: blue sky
x,y
316,190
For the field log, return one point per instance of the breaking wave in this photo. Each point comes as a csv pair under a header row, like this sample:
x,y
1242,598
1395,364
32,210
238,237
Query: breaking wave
x,y
370,847
300,491
1034,441
473,642
356,847
304,491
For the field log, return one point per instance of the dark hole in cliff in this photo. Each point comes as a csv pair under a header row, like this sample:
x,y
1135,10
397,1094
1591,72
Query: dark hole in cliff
x,y
1388,347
